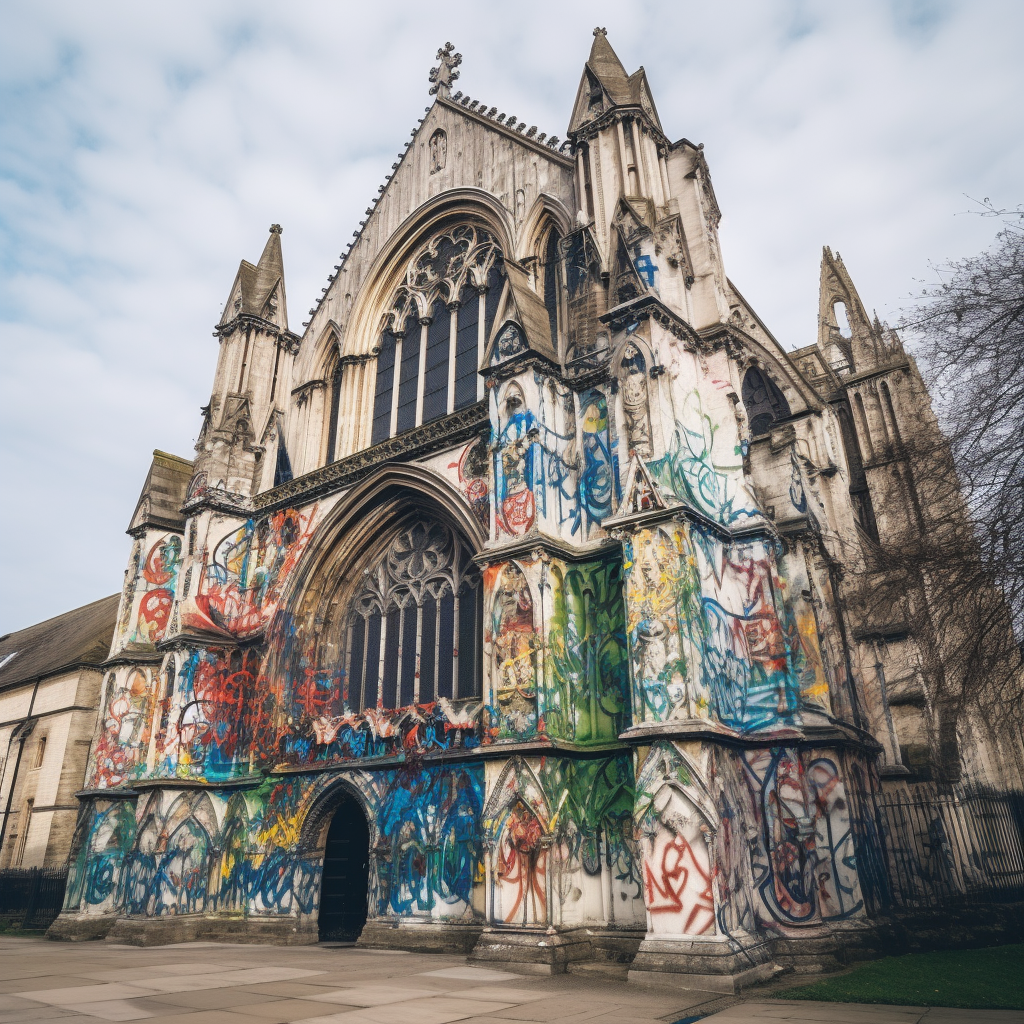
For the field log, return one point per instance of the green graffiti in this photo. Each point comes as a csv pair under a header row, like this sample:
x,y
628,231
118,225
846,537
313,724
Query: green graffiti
x,y
586,668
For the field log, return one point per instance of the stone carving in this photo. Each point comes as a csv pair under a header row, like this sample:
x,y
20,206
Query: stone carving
x,y
438,150
445,73
635,407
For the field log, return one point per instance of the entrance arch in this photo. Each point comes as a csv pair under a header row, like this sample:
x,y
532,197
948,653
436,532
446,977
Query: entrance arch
x,y
345,879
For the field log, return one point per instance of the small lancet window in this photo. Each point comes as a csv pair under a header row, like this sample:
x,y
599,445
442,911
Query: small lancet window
x,y
551,281
335,410
283,468
764,402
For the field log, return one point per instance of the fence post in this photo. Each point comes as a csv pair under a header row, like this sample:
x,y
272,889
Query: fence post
x,y
33,896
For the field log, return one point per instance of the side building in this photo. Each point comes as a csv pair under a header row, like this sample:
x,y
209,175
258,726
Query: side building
x,y
502,609
50,680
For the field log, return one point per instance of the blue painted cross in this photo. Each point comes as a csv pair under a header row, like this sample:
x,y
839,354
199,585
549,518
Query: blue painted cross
x,y
646,268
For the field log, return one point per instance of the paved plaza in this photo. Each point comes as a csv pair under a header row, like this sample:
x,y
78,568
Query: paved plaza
x,y
221,983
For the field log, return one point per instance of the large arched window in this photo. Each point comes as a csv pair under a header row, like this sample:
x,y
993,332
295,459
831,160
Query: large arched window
x,y
435,331
415,627
764,402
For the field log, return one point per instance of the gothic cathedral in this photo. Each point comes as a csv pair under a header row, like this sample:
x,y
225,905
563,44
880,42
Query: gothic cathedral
x,y
501,608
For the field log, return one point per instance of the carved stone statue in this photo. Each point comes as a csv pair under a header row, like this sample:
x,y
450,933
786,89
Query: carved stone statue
x,y
634,402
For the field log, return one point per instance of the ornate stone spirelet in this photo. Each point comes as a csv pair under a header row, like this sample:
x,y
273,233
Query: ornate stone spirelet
x,y
445,73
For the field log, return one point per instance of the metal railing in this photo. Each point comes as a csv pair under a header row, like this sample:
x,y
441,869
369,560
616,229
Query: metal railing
x,y
32,897
952,846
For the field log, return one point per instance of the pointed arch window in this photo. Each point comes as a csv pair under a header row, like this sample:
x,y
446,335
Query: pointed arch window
x,y
551,282
764,402
415,627
860,495
435,330
334,407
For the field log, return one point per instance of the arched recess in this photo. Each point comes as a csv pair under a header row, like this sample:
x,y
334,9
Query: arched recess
x,y
388,588
332,377
763,400
631,361
517,825
546,224
678,820
340,821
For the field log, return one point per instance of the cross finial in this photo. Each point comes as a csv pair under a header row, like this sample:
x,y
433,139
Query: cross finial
x,y
600,31
444,74
276,229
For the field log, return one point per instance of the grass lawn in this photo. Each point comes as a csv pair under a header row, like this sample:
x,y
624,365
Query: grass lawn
x,y
977,979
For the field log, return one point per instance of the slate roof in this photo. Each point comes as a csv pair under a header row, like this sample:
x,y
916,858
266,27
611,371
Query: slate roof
x,y
77,637
163,493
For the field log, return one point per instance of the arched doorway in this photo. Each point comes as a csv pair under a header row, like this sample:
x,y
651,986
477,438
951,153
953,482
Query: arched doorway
x,y
343,889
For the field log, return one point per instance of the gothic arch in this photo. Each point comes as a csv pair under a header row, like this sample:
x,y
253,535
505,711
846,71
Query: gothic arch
x,y
385,273
313,831
545,213
351,525
763,400
797,391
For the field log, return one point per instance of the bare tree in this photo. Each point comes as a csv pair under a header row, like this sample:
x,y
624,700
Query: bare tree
x,y
952,568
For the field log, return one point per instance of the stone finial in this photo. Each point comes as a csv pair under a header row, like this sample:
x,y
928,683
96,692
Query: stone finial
x,y
276,229
445,73
600,31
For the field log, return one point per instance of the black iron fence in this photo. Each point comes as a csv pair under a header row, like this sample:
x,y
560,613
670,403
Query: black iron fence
x,y
32,897
952,845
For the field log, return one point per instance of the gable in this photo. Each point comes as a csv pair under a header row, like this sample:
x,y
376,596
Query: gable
x,y
462,151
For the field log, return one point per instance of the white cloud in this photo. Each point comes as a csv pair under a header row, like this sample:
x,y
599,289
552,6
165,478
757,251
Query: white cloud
x,y
147,148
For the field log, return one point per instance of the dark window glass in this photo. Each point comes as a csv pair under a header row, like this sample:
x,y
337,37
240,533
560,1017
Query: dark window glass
x,y
764,402
428,650
408,379
446,646
385,388
282,469
392,643
407,685
355,672
551,284
435,376
495,282
372,660
466,342
332,427
860,496
470,608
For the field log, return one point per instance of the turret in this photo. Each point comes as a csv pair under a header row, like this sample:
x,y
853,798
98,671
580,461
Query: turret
x,y
242,422
850,340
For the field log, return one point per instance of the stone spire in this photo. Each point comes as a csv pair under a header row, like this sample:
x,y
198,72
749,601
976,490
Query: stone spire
x,y
606,85
259,290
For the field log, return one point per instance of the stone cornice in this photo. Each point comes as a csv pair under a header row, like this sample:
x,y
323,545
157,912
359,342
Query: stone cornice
x,y
534,546
608,118
413,444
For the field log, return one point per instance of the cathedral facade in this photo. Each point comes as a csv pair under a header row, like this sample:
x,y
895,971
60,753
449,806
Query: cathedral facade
x,y
500,610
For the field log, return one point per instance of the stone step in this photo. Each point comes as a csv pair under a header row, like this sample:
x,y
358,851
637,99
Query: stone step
x,y
604,968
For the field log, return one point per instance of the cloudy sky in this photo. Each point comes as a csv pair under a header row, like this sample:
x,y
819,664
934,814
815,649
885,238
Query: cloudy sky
x,y
145,148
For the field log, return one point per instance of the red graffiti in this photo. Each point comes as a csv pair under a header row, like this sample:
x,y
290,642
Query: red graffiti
x,y
669,894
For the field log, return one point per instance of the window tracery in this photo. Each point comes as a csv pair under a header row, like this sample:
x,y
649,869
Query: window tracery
x,y
435,330
415,626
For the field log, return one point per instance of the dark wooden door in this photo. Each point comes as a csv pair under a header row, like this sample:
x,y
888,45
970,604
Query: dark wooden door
x,y
343,892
